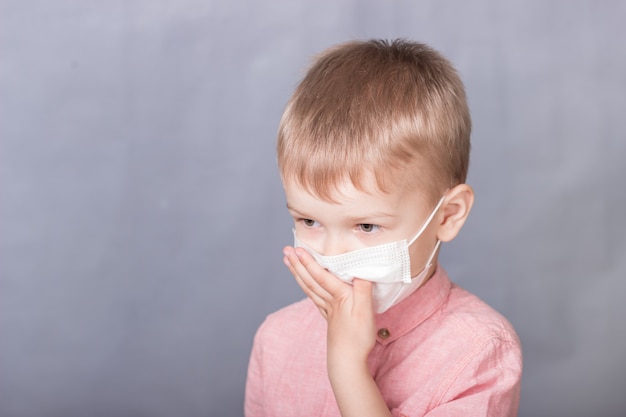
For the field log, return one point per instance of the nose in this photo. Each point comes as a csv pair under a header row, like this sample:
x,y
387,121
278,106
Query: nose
x,y
333,245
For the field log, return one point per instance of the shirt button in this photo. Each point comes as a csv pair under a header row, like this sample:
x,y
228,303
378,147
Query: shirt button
x,y
383,333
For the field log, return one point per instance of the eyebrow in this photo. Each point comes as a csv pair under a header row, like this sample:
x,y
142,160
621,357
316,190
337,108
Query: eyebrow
x,y
370,217
354,219
298,212
291,208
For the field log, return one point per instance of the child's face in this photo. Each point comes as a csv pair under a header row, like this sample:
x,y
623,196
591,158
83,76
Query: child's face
x,y
360,219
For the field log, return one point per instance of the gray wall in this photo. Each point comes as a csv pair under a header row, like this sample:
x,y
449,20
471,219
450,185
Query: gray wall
x,y
142,219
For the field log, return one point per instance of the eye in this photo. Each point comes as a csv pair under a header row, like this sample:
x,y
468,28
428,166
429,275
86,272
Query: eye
x,y
368,227
309,222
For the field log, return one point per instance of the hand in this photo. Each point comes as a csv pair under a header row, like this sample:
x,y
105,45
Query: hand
x,y
347,308
351,334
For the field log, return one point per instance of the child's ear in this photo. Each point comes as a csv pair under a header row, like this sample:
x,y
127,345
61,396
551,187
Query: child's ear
x,y
455,209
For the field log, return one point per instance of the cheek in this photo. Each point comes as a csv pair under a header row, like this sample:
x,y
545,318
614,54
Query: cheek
x,y
418,258
303,231
308,236
420,251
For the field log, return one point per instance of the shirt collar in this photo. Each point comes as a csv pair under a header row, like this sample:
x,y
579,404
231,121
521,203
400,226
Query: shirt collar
x,y
413,310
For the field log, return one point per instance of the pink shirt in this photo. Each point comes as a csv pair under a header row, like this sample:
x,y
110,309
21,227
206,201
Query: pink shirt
x,y
440,352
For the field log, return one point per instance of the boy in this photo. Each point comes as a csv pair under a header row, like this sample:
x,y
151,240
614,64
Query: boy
x,y
373,151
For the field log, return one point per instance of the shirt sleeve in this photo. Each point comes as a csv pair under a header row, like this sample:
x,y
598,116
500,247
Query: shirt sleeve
x,y
253,403
485,383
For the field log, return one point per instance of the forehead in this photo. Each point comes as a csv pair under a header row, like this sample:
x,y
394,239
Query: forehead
x,y
347,200
328,174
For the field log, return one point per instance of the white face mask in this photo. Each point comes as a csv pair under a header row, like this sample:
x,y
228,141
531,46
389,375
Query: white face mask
x,y
387,265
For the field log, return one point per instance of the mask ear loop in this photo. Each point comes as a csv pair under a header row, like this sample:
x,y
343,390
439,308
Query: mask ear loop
x,y
428,220
429,263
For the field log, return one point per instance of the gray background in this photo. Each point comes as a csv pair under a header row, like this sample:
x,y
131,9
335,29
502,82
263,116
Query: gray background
x,y
142,218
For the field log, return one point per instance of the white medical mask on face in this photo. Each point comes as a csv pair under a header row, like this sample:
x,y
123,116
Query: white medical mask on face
x,y
387,265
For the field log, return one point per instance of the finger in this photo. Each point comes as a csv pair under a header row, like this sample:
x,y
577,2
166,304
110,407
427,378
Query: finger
x,y
323,312
313,294
307,274
310,287
329,282
362,290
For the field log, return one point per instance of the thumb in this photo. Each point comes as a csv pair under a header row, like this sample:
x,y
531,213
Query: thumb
x,y
362,291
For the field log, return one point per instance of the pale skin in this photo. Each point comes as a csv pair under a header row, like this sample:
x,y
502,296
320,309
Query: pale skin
x,y
355,220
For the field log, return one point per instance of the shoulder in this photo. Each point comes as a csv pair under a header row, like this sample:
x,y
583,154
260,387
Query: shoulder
x,y
301,316
472,316
476,356
291,314
488,350
296,330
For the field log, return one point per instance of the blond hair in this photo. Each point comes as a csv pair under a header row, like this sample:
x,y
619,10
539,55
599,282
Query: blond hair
x,y
396,110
